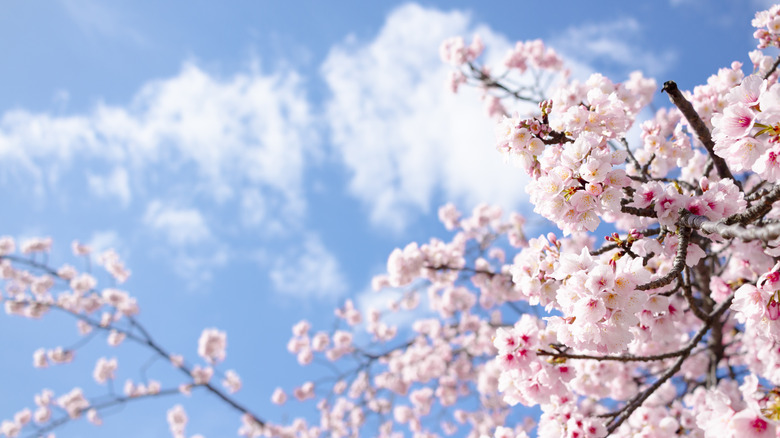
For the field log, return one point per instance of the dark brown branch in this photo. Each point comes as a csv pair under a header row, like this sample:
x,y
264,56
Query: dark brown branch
x,y
642,212
688,294
677,265
772,70
634,161
555,137
604,249
690,114
757,210
626,358
681,183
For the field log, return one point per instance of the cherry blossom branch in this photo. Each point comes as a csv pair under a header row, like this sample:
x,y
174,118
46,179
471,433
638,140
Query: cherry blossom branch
x,y
768,198
625,358
115,401
185,369
702,132
154,346
612,246
631,156
757,191
145,340
623,414
490,82
641,212
773,68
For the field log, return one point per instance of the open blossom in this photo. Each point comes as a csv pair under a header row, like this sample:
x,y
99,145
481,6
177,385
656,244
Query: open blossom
x,y
36,245
79,248
212,345
115,338
232,382
83,283
60,355
177,420
94,418
7,245
39,358
121,300
104,369
279,397
73,402
110,260
304,391
201,375
10,428
455,52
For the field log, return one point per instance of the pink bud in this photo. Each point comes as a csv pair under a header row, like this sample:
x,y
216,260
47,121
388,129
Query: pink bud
x,y
773,309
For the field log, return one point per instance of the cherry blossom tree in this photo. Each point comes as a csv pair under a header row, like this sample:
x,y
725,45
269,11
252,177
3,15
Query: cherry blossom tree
x,y
668,325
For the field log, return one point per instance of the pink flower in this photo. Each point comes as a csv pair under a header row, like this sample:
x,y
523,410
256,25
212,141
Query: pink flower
x,y
73,402
278,397
232,381
104,370
748,424
212,345
177,420
201,375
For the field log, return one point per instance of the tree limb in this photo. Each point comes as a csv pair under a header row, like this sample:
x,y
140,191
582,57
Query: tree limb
x,y
690,114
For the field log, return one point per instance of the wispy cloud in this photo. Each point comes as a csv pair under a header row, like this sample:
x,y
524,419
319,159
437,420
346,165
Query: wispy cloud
x,y
95,17
309,270
113,185
238,146
616,47
181,226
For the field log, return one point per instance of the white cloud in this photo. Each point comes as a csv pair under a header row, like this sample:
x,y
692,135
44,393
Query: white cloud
x,y
308,271
115,184
617,46
195,131
235,146
404,138
181,226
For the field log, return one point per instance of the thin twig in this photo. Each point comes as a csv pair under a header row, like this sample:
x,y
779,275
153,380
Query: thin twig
x,y
772,70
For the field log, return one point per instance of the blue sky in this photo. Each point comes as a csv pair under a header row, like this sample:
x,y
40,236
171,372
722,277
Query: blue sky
x,y
254,162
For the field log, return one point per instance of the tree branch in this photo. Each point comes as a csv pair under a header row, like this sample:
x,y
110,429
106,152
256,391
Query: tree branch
x,y
635,403
772,70
690,114
764,233
769,197
677,266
